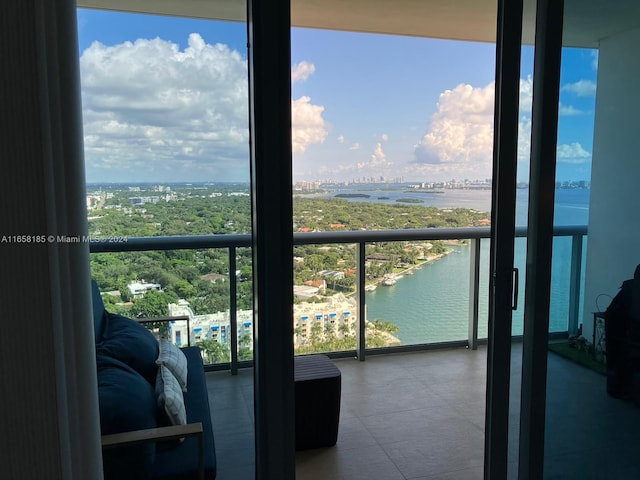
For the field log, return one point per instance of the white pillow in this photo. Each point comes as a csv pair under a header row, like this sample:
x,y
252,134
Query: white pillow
x,y
170,397
174,359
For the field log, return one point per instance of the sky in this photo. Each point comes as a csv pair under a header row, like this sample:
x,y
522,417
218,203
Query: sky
x,y
165,99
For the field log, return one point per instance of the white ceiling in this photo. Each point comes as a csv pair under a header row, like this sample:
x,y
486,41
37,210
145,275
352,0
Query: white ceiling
x,y
586,21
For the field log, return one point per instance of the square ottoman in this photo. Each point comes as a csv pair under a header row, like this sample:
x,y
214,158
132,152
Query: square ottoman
x,y
318,385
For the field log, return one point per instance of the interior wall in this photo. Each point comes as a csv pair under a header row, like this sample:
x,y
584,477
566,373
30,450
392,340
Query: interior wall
x,y
614,226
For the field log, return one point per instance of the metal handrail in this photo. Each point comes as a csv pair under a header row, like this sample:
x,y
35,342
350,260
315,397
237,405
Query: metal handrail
x,y
175,242
360,238
178,242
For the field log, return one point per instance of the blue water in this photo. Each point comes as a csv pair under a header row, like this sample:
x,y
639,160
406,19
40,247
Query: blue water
x,y
476,199
433,304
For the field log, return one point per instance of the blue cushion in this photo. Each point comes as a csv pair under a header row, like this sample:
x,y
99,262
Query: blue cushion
x,y
131,343
127,402
179,461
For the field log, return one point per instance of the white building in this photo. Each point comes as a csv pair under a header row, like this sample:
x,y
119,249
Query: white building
x,y
138,289
216,326
338,313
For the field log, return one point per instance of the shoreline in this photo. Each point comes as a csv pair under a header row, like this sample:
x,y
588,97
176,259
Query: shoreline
x,y
378,281
428,261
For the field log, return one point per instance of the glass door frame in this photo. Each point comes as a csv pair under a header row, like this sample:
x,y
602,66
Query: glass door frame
x,y
269,32
542,178
269,62
503,214
544,119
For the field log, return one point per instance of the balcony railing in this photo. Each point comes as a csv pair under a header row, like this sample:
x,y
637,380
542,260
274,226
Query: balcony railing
x,y
360,239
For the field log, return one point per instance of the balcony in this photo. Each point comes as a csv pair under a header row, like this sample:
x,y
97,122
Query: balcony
x,y
418,412
472,291
420,415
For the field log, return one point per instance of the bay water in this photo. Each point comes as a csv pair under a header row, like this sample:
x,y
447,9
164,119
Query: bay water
x,y
432,305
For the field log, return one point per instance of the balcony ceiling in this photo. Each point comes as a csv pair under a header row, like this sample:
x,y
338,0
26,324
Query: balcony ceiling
x,y
586,21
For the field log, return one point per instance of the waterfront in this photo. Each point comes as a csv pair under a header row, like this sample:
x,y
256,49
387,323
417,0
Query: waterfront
x,y
433,304
389,194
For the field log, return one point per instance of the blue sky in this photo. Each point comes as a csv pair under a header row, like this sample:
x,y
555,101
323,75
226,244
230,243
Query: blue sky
x,y
165,99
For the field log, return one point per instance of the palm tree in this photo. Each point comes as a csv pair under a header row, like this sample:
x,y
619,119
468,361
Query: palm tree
x,y
214,352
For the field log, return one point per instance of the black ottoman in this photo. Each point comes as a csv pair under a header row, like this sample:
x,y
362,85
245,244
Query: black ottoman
x,y
317,393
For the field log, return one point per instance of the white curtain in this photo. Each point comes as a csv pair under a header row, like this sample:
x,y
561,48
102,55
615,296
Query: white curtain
x,y
49,421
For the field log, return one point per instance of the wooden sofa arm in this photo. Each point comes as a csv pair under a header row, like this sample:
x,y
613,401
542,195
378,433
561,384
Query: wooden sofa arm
x,y
161,433
166,320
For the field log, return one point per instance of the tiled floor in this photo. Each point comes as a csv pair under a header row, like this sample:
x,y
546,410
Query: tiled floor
x,y
231,402
421,416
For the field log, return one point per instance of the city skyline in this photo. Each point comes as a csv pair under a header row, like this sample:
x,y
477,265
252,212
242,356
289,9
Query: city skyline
x,y
165,99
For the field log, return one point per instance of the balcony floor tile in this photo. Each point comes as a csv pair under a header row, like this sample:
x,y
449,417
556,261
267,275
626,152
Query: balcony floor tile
x,y
421,416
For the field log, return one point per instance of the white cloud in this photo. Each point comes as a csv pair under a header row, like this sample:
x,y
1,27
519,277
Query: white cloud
x,y
350,146
378,157
378,164
526,94
581,88
155,112
152,110
308,126
569,111
524,140
524,122
302,71
572,153
459,138
384,137
460,133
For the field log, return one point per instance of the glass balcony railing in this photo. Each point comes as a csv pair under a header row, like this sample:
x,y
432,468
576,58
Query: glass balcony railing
x,y
433,294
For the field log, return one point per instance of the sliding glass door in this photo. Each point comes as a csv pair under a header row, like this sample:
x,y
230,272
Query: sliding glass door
x,y
503,277
591,389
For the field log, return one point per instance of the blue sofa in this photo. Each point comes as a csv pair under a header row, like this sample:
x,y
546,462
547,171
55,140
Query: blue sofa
x,y
138,440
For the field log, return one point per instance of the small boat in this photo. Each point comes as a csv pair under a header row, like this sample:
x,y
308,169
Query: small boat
x,y
389,281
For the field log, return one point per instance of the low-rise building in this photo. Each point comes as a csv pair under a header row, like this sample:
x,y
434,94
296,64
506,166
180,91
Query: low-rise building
x,y
138,289
337,314
216,326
